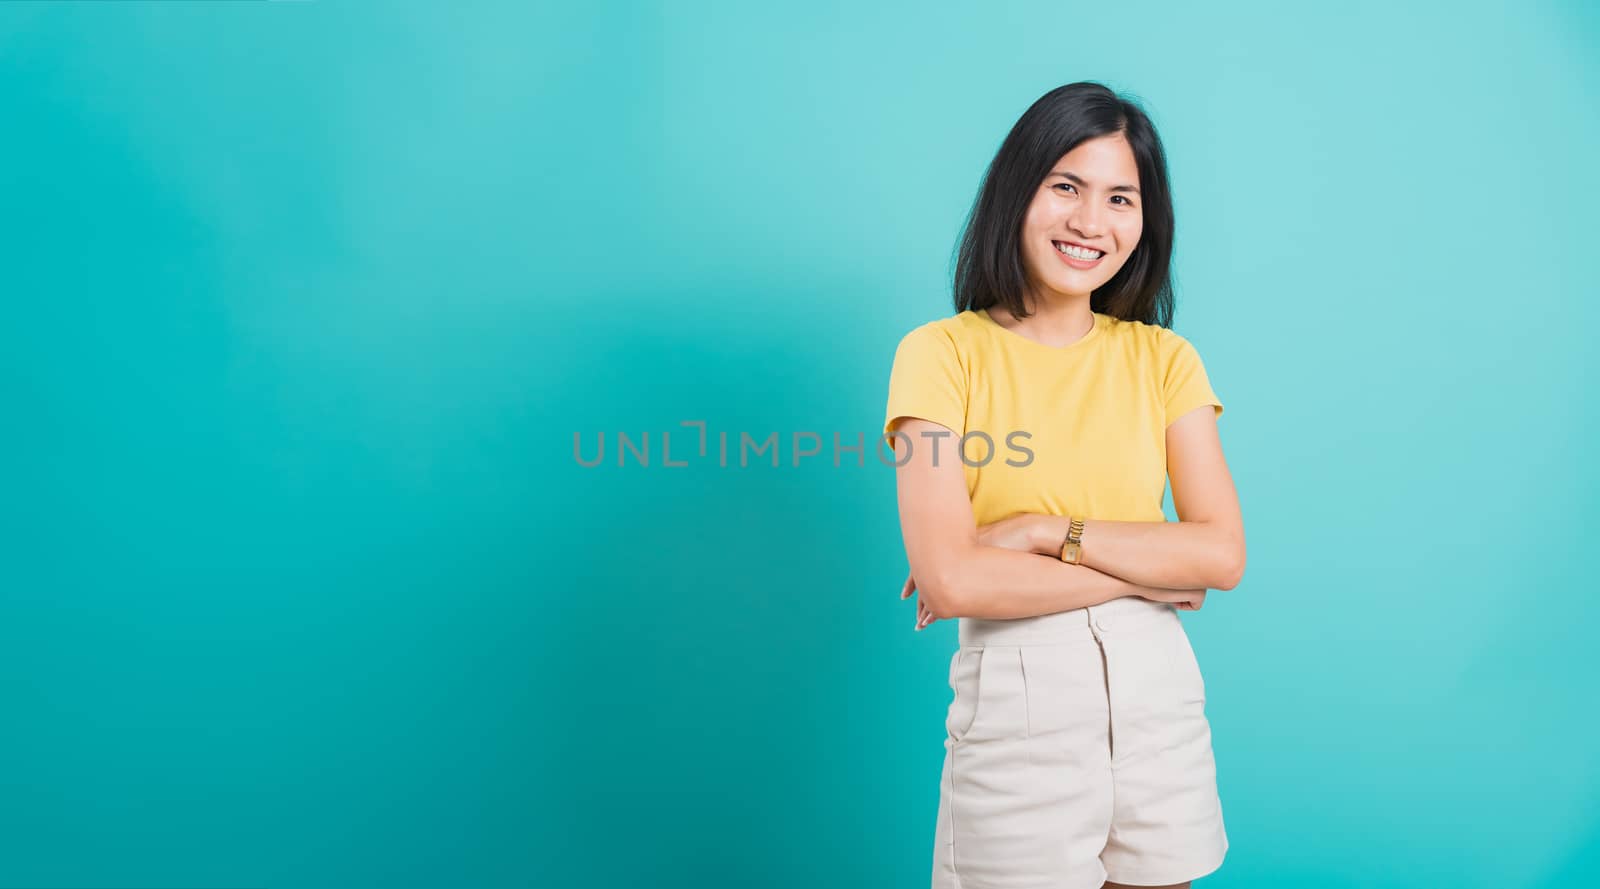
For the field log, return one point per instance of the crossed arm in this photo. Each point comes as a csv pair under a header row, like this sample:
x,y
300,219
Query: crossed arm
x,y
994,572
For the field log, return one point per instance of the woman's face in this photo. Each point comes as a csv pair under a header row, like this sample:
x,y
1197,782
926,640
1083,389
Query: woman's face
x,y
1090,201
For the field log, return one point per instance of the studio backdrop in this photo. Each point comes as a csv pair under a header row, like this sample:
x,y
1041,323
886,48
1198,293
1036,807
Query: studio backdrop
x,y
317,314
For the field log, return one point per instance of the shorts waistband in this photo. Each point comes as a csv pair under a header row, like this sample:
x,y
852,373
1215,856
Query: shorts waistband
x,y
1121,615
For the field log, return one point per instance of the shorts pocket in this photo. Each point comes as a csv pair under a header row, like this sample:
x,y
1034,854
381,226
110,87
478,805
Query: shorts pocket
x,y
1186,668
990,697
964,685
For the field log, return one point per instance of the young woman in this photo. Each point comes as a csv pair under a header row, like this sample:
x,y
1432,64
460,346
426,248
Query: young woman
x,y
1034,433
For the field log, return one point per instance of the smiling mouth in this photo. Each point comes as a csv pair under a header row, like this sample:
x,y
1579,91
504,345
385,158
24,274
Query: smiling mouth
x,y
1077,252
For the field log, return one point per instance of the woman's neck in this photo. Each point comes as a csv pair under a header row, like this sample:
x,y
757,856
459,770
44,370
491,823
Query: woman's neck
x,y
1056,321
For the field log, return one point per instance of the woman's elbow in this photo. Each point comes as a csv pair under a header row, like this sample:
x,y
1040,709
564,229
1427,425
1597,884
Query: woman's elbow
x,y
943,594
1232,570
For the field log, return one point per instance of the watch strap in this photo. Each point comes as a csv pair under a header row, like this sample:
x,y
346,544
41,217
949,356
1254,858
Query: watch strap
x,y
1072,546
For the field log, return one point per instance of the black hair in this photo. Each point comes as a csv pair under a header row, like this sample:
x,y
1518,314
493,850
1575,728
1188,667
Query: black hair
x,y
989,268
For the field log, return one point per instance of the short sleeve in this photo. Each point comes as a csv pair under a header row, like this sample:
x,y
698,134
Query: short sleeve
x,y
927,381
1185,385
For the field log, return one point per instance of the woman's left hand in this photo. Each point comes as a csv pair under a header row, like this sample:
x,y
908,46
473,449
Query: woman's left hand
x,y
1018,531
1014,532
923,616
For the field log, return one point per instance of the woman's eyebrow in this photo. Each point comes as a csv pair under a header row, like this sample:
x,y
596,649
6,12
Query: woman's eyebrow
x,y
1078,181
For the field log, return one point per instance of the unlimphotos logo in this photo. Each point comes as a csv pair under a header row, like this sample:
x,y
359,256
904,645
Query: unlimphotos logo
x,y
972,442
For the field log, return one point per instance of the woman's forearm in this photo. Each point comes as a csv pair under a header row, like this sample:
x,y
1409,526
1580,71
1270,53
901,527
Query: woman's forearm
x,y
994,583
1172,555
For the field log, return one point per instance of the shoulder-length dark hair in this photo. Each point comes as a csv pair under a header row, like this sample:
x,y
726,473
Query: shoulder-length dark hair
x,y
989,269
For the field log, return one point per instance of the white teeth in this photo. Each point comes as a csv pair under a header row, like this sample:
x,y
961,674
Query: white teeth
x,y
1078,252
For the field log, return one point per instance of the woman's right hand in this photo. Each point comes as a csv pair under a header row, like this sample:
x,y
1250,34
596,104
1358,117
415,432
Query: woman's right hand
x,y
1183,600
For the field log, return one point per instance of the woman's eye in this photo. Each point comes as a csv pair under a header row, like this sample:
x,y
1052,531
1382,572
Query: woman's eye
x,y
1118,197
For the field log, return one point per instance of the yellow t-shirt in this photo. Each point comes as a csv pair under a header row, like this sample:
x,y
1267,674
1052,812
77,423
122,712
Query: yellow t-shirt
x,y
1086,422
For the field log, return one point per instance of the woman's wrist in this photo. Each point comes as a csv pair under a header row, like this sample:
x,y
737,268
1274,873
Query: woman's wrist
x,y
1049,532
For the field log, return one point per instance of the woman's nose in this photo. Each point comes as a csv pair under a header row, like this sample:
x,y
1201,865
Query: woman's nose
x,y
1086,221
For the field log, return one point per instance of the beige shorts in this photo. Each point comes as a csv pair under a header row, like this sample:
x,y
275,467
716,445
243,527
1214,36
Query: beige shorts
x,y
1077,751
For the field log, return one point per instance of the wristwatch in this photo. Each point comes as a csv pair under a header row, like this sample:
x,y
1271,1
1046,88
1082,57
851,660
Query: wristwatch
x,y
1072,547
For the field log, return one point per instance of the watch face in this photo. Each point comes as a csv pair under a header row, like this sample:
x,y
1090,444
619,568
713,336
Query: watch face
x,y
1071,553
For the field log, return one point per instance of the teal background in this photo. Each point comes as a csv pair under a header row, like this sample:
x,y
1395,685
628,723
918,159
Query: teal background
x,y
301,583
